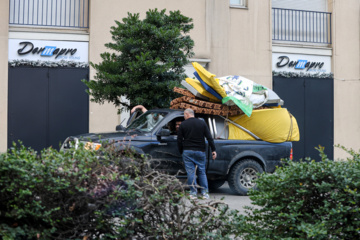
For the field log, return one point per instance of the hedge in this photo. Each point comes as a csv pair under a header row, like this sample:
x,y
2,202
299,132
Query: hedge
x,y
306,200
81,194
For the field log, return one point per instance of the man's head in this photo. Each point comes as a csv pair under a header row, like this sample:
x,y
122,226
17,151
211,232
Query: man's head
x,y
188,113
156,116
177,125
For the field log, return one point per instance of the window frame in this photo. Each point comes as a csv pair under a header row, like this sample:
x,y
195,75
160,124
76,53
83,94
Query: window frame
x,y
244,5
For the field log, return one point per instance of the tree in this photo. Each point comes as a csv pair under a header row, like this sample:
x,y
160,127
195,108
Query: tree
x,y
146,60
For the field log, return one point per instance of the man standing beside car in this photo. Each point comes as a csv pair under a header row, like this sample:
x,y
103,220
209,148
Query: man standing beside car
x,y
191,144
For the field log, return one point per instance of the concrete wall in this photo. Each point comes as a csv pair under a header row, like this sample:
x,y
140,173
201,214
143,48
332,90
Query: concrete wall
x,y
4,32
249,53
346,68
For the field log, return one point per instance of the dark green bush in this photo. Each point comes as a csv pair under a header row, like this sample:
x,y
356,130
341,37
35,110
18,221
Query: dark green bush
x,y
79,195
306,200
62,195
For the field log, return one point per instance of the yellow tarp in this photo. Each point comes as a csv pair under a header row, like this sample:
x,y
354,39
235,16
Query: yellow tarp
x,y
209,79
198,87
272,125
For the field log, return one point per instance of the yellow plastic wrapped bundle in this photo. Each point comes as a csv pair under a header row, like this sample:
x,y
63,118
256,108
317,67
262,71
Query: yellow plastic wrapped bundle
x,y
209,79
197,85
272,125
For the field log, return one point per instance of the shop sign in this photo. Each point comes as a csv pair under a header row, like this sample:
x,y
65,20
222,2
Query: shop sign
x,y
48,50
301,63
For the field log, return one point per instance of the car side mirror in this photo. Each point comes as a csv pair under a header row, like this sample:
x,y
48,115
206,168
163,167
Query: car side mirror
x,y
163,133
119,128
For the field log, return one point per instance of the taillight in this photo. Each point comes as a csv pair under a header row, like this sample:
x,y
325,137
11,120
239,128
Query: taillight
x,y
291,154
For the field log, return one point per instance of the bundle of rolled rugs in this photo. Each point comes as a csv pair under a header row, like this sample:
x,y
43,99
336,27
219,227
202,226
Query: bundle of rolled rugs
x,y
188,100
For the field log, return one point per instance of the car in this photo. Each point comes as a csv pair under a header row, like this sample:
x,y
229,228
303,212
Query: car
x,y
239,162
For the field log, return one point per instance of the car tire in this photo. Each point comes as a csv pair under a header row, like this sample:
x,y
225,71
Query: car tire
x,y
215,184
243,175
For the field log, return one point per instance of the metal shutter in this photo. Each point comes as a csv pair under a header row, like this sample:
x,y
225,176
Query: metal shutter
x,y
310,5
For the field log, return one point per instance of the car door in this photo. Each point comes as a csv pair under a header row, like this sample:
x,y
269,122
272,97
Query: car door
x,y
164,151
219,131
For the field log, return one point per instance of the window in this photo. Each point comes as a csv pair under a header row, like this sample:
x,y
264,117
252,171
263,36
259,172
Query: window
x,y
238,3
301,21
147,121
50,13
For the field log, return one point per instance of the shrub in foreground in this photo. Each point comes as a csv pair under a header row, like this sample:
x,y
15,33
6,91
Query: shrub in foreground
x,y
61,195
307,200
77,195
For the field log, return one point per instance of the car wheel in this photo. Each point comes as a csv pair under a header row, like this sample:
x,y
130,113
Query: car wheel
x,y
243,175
215,184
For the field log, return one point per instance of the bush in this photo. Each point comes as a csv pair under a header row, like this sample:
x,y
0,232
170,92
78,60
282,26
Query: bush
x,y
306,200
79,195
62,195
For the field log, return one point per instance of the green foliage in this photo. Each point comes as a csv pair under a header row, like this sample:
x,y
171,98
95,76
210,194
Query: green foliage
x,y
80,195
306,200
146,60
57,194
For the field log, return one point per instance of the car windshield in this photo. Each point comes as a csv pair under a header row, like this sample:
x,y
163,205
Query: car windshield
x,y
147,121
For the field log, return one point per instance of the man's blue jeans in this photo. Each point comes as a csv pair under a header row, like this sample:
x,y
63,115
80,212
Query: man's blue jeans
x,y
191,160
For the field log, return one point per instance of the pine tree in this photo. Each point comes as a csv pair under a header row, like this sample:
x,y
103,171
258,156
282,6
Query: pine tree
x,y
145,62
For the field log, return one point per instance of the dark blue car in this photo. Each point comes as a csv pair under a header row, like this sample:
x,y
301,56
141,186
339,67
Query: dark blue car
x,y
153,133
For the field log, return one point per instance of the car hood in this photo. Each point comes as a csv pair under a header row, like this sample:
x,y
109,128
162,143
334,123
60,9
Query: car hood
x,y
113,136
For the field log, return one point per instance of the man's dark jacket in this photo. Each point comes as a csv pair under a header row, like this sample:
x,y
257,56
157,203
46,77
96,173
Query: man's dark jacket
x,y
191,135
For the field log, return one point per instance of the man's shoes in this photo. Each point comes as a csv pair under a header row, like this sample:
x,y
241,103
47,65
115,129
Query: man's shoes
x,y
202,196
205,196
192,197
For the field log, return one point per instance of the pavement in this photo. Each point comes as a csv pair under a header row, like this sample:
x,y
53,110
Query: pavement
x,y
234,201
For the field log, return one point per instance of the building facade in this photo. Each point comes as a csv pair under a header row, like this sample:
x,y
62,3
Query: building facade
x,y
304,50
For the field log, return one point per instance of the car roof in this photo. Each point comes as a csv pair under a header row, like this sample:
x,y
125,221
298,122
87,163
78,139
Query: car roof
x,y
166,110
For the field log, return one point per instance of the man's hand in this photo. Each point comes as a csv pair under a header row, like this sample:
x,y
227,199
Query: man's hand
x,y
214,155
141,107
